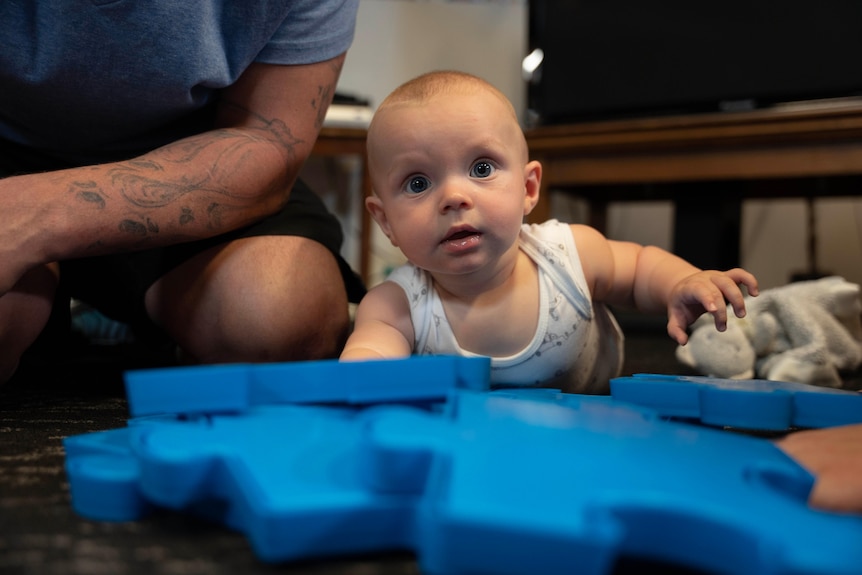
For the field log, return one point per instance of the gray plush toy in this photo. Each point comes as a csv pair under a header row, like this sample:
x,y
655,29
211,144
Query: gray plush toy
x,y
806,332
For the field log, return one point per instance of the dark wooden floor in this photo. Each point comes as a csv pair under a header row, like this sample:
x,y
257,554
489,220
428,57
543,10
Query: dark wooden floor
x,y
51,399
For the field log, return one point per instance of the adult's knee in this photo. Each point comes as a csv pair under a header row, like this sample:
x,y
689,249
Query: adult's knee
x,y
315,326
256,300
287,326
269,326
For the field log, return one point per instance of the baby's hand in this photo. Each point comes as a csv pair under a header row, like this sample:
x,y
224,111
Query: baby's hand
x,y
707,291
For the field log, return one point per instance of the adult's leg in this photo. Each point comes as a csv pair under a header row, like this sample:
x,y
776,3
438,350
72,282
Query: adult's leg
x,y
259,298
24,311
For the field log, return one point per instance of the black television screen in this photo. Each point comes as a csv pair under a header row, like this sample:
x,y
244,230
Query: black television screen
x,y
621,58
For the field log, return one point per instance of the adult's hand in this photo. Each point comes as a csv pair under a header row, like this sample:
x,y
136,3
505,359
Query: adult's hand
x,y
834,456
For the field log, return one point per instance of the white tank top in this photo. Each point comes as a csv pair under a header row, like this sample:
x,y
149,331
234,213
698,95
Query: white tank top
x,y
578,345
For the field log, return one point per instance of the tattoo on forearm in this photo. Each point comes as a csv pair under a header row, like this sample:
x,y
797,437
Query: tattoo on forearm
x,y
152,197
145,184
139,228
321,103
268,130
133,228
214,212
89,192
186,216
326,93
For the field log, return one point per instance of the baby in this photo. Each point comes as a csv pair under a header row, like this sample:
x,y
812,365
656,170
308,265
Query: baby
x,y
452,184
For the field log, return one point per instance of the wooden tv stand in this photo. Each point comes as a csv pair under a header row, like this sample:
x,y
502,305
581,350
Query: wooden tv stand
x,y
698,160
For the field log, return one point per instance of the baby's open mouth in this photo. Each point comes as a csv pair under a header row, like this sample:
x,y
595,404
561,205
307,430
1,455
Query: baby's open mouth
x,y
460,235
461,239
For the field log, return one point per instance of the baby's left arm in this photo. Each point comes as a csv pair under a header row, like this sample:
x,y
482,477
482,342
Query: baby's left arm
x,y
654,280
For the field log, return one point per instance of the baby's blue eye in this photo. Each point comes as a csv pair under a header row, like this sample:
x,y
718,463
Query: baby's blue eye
x,y
418,184
481,169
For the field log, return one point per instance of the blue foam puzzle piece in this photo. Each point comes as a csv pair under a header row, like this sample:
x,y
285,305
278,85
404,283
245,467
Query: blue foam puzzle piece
x,y
237,387
751,404
514,482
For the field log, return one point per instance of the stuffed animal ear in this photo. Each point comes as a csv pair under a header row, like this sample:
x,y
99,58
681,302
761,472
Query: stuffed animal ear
x,y
838,296
841,299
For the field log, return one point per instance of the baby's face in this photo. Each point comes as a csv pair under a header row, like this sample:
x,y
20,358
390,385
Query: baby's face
x,y
449,176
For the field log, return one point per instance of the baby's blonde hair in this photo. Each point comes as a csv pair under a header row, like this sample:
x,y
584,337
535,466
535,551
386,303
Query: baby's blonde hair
x,y
441,82
430,85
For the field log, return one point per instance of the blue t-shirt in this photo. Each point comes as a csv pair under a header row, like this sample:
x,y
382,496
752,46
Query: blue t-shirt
x,y
84,81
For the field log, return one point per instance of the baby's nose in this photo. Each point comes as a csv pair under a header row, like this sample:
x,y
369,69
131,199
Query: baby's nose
x,y
454,197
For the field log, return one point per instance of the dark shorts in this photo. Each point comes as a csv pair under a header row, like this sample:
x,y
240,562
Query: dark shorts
x,y
116,284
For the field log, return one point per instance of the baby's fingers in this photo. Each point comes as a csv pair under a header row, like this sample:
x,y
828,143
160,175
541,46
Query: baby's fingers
x,y
677,330
731,292
743,277
719,315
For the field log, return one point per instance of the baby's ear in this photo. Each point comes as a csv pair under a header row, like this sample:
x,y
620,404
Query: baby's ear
x,y
375,208
532,183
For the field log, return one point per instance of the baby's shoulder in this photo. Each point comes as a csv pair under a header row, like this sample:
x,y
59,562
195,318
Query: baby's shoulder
x,y
411,279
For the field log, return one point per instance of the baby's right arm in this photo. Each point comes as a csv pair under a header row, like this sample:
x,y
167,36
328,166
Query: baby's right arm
x,y
382,327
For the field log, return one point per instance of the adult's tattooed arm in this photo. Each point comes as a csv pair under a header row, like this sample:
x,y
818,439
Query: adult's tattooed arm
x,y
194,188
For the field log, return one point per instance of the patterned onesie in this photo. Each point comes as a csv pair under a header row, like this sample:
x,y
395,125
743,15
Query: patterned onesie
x,y
578,345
